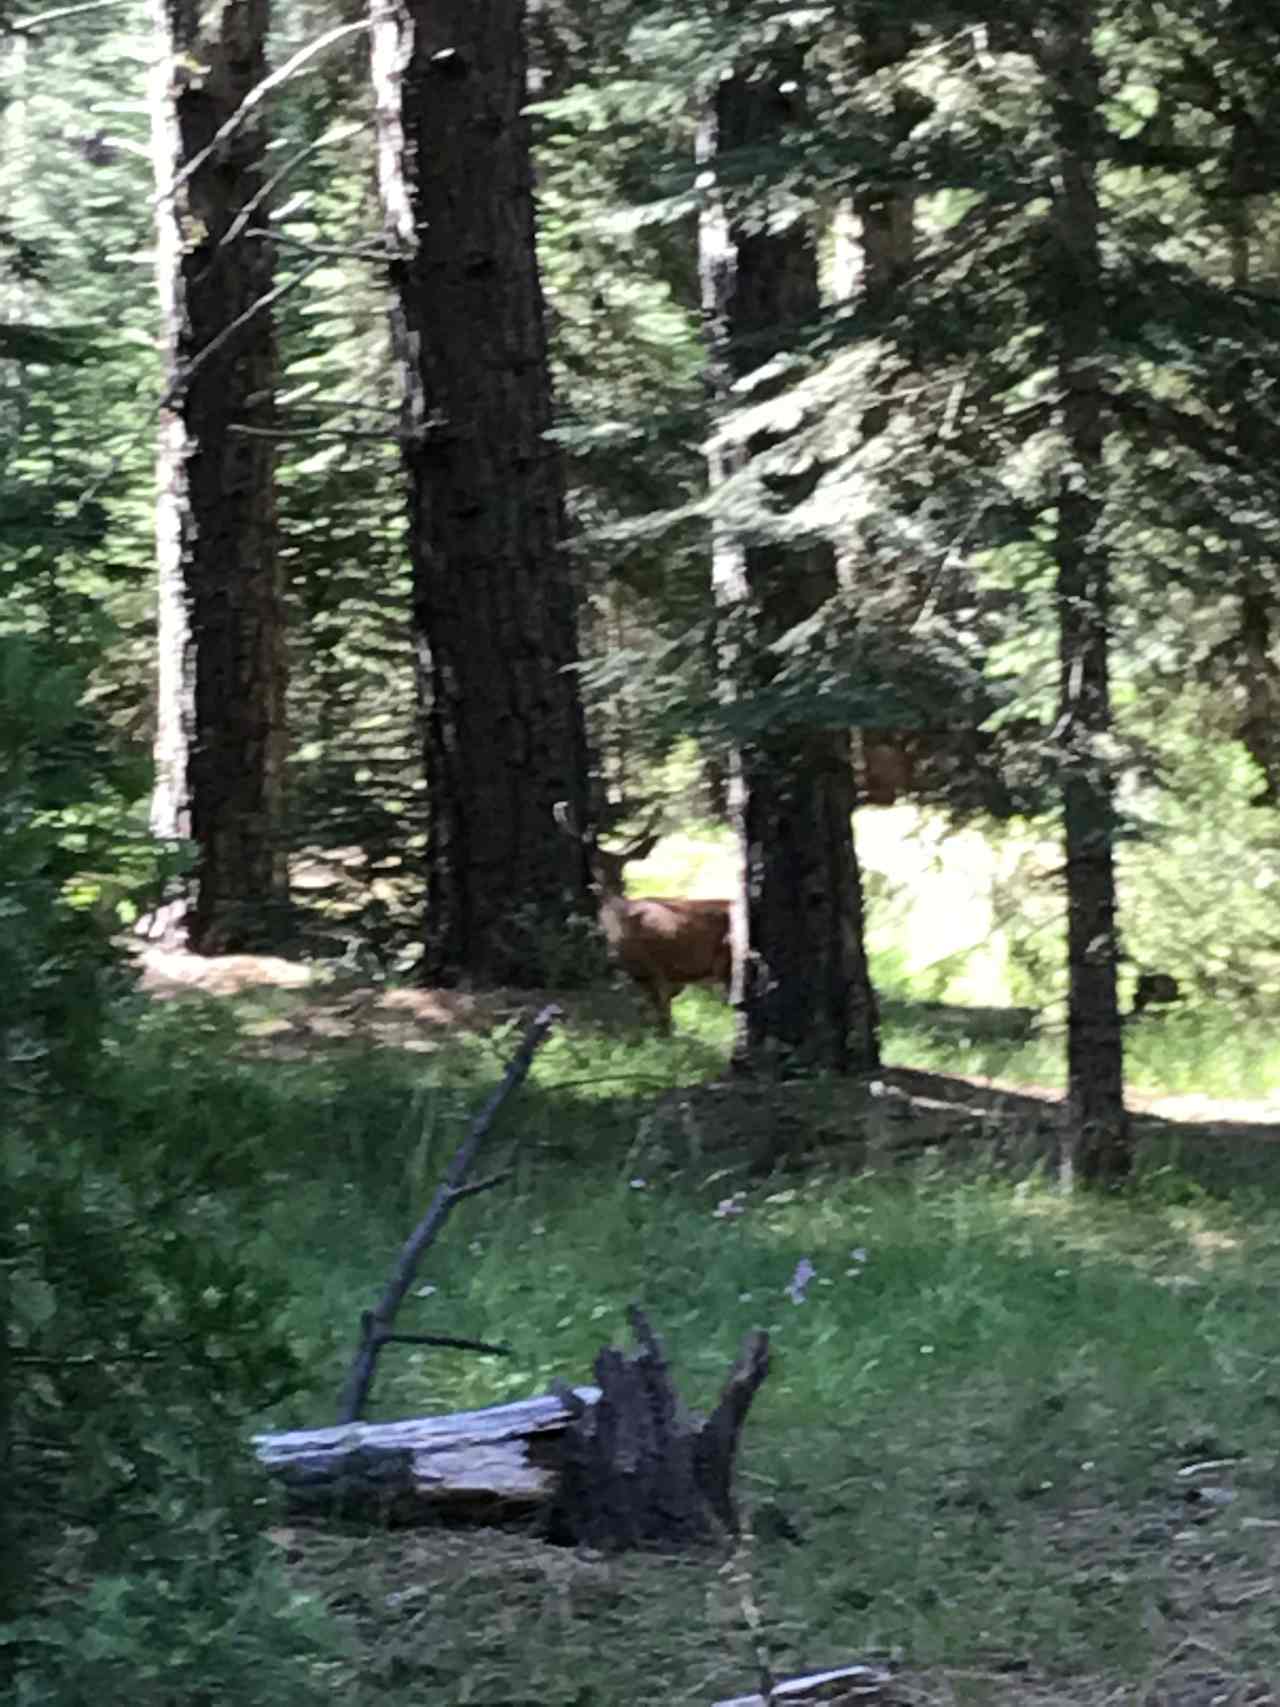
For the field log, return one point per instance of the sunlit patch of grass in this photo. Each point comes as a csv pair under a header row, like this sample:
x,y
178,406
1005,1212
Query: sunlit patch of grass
x,y
1203,1050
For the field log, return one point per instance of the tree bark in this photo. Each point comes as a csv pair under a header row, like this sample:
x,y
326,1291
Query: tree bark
x,y
636,1468
801,986
1097,1145
221,737
493,601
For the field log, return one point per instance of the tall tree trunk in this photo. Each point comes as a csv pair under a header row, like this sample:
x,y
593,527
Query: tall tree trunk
x,y
494,605
1098,1146
221,738
801,986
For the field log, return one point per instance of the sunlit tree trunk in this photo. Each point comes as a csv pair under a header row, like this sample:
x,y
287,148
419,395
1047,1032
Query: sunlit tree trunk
x,y
494,605
801,987
221,739
1098,1140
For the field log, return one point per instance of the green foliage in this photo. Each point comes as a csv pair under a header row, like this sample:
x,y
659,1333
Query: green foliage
x,y
136,1337
64,804
1200,883
140,1340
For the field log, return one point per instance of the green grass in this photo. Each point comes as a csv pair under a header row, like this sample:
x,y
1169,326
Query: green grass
x,y
966,1454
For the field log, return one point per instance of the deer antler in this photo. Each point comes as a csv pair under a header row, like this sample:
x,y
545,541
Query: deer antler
x,y
563,814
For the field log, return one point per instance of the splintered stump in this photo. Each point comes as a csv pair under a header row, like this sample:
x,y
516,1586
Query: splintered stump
x,y
637,1470
619,1465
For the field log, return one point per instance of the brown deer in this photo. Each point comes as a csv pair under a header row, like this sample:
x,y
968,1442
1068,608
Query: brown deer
x,y
662,943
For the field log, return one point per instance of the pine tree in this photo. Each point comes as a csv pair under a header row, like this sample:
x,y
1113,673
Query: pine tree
x,y
801,984
493,603
221,739
1096,1121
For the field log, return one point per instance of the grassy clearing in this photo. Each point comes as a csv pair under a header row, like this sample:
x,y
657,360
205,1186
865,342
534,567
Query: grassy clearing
x,y
940,927
968,1454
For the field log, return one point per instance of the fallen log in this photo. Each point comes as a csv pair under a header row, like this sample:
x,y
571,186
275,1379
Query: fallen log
x,y
502,1459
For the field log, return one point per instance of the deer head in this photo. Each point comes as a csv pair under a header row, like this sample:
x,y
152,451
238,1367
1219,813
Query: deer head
x,y
608,865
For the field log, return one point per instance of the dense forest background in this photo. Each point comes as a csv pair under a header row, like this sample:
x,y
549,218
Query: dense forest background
x,y
868,482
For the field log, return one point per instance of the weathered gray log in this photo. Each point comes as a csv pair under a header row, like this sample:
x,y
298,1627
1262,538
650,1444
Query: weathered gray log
x,y
842,1683
487,1463
638,1470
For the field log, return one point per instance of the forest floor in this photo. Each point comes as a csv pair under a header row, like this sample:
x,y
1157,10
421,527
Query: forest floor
x,y
1023,1449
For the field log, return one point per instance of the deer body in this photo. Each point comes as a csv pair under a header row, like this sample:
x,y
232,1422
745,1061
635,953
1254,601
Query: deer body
x,y
663,943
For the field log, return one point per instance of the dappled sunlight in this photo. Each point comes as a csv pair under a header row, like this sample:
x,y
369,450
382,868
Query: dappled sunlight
x,y
1174,1245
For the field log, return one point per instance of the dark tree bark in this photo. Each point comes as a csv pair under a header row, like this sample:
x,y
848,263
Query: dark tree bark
x,y
494,606
221,737
801,986
1098,1145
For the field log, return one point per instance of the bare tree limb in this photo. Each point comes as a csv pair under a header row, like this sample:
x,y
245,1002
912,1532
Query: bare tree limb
x,y
374,251
449,1341
254,98
33,26
375,1324
335,133
342,435
171,392
228,332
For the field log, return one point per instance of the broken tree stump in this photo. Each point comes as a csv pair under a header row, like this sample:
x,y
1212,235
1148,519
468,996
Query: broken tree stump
x,y
637,1469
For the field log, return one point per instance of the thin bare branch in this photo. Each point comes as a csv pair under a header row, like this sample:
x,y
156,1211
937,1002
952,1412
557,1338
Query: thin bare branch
x,y
326,251
341,435
254,98
450,1341
168,395
482,1185
375,1324
33,26
336,133
228,332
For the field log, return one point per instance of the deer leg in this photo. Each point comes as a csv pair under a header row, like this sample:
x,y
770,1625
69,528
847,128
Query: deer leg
x,y
660,994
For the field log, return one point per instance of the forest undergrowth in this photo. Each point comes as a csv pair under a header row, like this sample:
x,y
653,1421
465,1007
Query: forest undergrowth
x,y
1023,1447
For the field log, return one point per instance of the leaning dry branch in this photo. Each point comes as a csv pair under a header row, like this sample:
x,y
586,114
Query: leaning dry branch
x,y
33,26
375,1324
